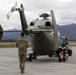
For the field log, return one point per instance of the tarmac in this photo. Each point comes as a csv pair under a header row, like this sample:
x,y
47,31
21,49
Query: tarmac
x,y
44,65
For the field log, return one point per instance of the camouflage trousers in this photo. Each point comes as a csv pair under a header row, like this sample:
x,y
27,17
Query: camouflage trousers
x,y
22,59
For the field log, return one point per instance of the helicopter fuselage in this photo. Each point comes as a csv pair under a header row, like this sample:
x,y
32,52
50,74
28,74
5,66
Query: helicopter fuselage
x,y
43,37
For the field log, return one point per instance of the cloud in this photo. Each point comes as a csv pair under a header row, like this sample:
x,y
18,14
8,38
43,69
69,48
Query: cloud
x,y
65,11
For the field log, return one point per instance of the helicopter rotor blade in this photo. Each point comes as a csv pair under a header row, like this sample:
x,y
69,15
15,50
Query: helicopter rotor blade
x,y
11,10
8,15
54,24
15,5
1,33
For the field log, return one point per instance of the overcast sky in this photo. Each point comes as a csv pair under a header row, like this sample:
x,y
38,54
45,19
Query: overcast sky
x,y
64,10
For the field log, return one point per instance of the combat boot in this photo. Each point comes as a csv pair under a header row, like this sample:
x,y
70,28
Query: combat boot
x,y
22,68
22,72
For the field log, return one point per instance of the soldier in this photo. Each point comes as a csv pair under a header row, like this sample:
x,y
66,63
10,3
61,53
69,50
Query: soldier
x,y
22,51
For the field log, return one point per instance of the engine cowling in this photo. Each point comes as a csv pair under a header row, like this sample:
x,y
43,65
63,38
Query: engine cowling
x,y
47,24
1,33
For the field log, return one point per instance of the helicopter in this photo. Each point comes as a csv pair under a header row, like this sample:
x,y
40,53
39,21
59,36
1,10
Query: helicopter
x,y
45,37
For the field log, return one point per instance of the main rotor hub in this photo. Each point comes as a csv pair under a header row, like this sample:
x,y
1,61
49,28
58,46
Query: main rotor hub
x,y
44,15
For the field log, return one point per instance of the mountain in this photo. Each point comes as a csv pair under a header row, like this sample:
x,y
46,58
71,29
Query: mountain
x,y
13,35
69,30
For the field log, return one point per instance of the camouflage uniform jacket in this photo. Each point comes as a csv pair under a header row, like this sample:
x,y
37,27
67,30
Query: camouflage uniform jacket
x,y
22,45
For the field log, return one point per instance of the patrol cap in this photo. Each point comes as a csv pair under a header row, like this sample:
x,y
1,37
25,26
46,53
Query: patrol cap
x,y
22,34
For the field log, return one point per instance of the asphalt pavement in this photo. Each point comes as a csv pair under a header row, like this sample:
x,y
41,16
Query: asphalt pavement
x,y
44,65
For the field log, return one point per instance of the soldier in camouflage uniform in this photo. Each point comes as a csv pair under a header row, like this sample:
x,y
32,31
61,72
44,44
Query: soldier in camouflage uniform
x,y
22,51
